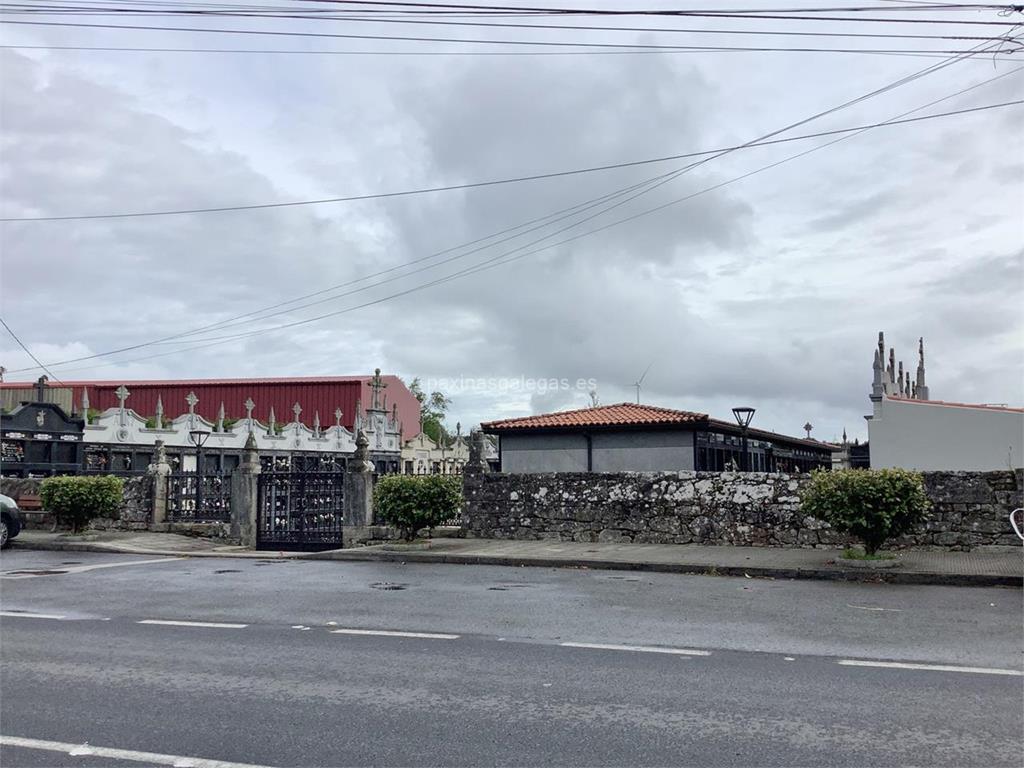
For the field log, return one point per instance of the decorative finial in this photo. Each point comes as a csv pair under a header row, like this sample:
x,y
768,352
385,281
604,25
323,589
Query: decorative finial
x,y
220,418
271,422
159,412
316,424
85,405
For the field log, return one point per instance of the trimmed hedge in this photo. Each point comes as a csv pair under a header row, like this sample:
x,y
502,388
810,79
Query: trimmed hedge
x,y
872,504
75,500
412,502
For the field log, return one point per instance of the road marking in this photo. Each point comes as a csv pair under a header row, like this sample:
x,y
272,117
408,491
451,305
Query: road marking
x,y
153,758
873,608
931,667
20,615
62,570
391,633
789,658
211,624
638,648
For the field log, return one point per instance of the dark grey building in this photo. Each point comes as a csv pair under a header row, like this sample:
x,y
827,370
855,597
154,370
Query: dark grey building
x,y
644,438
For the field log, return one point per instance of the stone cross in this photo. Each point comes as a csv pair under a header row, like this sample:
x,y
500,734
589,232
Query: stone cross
x,y
808,427
41,389
159,412
296,409
337,417
249,406
376,385
122,394
191,399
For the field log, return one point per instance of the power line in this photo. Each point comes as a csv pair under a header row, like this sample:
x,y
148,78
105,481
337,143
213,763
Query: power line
x,y
490,24
497,182
458,40
660,180
29,352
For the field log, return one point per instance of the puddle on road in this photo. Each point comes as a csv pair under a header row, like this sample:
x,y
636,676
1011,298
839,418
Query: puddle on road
x,y
39,572
388,586
227,570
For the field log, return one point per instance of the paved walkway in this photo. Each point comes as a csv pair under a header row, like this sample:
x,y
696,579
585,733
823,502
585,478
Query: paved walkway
x,y
990,566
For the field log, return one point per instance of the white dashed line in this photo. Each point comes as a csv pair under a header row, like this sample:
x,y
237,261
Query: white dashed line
x,y
929,667
20,615
390,633
874,608
209,624
152,758
638,648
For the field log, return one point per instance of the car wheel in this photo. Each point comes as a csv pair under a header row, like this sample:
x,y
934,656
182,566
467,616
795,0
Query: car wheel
x,y
5,538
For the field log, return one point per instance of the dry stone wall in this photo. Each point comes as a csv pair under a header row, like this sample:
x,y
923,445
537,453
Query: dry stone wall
x,y
748,509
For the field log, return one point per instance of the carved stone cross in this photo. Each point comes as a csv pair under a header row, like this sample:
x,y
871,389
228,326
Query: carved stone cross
x,y
249,406
337,417
41,389
296,409
121,393
192,400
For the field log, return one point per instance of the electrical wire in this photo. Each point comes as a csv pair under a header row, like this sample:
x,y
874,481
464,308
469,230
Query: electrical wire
x,y
663,179
497,182
29,352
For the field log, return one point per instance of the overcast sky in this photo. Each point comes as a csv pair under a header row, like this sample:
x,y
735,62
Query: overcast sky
x,y
768,291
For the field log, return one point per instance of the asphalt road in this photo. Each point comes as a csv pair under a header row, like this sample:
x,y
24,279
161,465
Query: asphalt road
x,y
502,670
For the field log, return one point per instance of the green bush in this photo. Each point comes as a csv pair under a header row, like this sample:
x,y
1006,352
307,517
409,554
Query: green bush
x,y
75,500
872,504
412,502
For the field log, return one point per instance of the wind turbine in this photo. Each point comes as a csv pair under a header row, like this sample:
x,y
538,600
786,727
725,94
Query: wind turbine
x,y
640,381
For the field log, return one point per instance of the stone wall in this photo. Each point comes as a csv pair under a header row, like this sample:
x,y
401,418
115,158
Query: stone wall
x,y
747,509
136,508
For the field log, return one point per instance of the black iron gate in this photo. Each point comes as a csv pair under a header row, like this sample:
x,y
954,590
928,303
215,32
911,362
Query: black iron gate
x,y
195,498
300,510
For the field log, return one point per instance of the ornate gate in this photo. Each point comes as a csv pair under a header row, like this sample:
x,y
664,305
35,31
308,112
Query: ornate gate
x,y
300,510
195,498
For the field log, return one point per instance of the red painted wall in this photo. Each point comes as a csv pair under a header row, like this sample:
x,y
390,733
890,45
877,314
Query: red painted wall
x,y
312,394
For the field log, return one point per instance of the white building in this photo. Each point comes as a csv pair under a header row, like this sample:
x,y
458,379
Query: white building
x,y
908,429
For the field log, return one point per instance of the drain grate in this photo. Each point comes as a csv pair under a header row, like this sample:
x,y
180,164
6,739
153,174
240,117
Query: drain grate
x,y
387,586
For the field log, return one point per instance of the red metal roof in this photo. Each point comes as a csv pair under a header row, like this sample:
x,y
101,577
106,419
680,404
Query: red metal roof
x,y
621,414
188,382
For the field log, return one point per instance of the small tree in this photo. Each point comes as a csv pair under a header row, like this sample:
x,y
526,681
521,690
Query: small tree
x,y
74,501
872,504
412,502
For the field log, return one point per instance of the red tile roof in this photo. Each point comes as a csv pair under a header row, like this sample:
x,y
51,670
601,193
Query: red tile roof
x,y
621,414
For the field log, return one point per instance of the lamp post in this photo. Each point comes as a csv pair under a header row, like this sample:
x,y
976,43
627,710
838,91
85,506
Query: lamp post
x,y
199,438
743,417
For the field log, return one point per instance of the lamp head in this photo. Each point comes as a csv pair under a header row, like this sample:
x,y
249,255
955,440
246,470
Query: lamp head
x,y
743,416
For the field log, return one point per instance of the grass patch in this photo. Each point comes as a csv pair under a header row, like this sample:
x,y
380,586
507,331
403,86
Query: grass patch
x,y
859,554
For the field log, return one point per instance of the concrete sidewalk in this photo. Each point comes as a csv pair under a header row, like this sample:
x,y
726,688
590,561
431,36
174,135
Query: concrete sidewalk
x,y
983,567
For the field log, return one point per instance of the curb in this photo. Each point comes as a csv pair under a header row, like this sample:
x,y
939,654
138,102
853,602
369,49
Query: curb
x,y
823,574
365,555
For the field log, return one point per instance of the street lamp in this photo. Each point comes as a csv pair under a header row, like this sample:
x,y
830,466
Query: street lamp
x,y
199,438
743,417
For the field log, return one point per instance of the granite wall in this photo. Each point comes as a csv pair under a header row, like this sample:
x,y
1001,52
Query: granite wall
x,y
748,509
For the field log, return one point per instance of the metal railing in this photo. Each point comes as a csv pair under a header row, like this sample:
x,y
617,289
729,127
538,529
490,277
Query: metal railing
x,y
195,498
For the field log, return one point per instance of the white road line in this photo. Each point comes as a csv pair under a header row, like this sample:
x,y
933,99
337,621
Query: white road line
x,y
211,624
638,648
20,615
391,633
27,573
153,758
874,608
930,667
